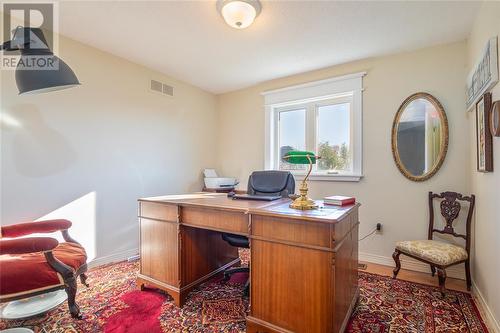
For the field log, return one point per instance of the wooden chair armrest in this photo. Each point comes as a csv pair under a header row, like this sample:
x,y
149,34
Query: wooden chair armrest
x,y
66,271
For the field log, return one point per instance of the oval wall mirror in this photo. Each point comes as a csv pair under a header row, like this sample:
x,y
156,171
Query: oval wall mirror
x,y
420,137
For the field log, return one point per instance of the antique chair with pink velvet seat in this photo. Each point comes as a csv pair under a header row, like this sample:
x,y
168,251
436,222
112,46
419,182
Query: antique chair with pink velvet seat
x,y
31,266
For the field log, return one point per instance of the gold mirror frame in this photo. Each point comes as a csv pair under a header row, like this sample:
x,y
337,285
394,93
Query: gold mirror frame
x,y
444,137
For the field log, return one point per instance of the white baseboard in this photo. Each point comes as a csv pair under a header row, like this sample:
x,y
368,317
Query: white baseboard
x,y
486,313
457,272
115,257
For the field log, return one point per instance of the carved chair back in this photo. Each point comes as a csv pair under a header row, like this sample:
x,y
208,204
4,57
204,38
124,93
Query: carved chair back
x,y
450,208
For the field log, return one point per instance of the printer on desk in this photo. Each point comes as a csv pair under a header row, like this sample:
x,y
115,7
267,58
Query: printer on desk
x,y
214,183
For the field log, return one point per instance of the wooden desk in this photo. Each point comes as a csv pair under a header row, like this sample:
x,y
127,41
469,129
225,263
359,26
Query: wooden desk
x,y
303,263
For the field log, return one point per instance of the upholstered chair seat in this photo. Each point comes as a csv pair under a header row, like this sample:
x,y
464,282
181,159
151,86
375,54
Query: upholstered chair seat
x,y
439,253
25,273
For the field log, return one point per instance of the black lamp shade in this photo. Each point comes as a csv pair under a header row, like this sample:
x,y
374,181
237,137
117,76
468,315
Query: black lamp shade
x,y
31,80
39,70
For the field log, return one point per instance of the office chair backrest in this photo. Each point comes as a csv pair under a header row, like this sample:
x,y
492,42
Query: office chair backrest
x,y
271,182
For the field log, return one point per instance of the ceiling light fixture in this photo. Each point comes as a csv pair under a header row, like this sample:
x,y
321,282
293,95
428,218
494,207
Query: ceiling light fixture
x,y
239,14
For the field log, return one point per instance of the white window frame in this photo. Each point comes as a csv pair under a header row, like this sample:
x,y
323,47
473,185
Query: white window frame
x,y
311,95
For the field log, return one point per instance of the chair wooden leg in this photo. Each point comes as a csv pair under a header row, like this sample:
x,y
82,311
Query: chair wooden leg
x,y
433,270
395,256
467,275
83,280
71,288
442,279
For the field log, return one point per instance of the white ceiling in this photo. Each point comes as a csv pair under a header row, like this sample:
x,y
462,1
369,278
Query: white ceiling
x,y
190,41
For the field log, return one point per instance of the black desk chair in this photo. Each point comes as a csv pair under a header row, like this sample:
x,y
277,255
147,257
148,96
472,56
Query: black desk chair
x,y
260,183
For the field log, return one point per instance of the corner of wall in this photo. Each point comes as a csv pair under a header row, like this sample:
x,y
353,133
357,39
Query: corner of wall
x,y
485,268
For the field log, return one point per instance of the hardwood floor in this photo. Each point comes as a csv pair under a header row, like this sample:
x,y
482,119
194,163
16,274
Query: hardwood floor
x,y
419,277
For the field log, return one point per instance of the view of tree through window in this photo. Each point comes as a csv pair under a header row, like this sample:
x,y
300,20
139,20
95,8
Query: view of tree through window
x,y
333,157
331,129
334,137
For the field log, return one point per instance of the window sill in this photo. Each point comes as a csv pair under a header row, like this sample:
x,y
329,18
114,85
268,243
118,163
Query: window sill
x,y
329,178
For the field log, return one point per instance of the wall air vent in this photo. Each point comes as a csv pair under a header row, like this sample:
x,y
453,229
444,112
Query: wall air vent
x,y
168,90
162,88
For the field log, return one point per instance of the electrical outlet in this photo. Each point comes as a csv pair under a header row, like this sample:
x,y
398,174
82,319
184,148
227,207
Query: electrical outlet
x,y
379,227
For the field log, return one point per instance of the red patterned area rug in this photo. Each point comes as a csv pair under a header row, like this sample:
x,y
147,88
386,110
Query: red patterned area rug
x,y
387,305
113,304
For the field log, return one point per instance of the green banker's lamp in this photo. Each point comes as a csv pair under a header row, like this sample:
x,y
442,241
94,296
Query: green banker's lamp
x,y
302,157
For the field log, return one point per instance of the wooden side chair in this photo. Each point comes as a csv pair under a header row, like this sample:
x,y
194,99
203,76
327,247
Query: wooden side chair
x,y
441,255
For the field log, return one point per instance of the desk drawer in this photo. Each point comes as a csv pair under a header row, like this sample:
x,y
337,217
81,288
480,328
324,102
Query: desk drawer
x,y
344,226
215,219
288,230
159,211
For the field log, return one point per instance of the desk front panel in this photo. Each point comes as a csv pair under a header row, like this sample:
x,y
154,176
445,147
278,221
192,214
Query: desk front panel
x,y
231,221
298,232
158,211
160,251
303,278
290,288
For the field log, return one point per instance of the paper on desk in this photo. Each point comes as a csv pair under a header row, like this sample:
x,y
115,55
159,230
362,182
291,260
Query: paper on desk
x,y
210,173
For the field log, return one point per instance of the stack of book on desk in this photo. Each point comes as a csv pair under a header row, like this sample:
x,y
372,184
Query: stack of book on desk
x,y
339,200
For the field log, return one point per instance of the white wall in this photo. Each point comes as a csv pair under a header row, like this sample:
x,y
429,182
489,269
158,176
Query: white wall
x,y
386,195
88,153
486,186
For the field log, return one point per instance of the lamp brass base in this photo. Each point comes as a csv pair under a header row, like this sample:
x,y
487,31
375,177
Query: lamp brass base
x,y
303,203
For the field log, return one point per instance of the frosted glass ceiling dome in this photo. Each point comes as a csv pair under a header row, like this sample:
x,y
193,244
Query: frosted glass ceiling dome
x,y
239,14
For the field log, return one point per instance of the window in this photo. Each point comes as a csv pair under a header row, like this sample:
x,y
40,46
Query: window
x,y
323,127
323,117
334,136
291,136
